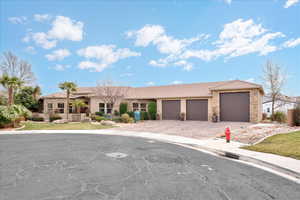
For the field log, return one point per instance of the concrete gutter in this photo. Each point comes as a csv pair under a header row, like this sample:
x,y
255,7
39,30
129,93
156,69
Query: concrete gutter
x,y
282,166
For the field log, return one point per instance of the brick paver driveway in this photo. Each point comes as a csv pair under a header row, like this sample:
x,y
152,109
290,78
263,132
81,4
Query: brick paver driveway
x,y
193,129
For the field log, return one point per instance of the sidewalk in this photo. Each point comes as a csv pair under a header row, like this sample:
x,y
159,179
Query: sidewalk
x,y
284,165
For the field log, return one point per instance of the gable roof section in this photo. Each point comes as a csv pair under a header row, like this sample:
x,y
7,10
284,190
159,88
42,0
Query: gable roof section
x,y
168,91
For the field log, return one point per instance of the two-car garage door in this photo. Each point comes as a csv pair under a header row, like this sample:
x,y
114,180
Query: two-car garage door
x,y
196,109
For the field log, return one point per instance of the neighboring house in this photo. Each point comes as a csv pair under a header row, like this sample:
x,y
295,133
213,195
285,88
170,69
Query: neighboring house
x,y
230,100
282,104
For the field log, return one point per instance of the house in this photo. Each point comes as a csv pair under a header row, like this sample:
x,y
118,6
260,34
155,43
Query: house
x,y
282,104
230,100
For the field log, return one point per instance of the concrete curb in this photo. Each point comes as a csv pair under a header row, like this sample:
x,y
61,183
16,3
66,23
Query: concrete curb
x,y
178,140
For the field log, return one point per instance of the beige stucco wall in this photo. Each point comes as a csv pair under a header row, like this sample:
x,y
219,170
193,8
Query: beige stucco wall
x,y
255,103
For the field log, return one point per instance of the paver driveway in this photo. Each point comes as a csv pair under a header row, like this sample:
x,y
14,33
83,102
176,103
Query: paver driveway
x,y
90,167
193,129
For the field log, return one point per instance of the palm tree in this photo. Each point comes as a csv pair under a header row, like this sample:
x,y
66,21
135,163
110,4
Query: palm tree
x,y
36,92
78,104
68,87
11,84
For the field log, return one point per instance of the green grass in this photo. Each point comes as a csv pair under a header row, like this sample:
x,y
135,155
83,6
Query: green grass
x,y
67,126
282,144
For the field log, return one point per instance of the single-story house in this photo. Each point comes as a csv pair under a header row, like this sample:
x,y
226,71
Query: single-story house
x,y
230,100
282,104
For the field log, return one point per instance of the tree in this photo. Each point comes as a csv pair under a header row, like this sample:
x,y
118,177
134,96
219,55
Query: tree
x,y
109,92
68,87
11,84
26,97
14,67
78,104
36,92
274,80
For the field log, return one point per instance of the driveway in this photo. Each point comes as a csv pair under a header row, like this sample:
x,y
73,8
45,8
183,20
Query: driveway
x,y
192,129
88,167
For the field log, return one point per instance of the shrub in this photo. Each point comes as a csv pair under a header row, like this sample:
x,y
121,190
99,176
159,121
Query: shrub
x,y
152,109
116,113
54,117
130,113
99,118
117,119
36,119
125,118
279,117
12,115
99,113
123,108
131,120
296,116
264,116
144,115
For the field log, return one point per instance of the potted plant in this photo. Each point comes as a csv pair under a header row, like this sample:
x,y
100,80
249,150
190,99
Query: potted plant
x,y
182,116
214,116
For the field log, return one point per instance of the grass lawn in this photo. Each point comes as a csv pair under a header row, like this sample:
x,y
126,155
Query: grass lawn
x,y
67,126
281,144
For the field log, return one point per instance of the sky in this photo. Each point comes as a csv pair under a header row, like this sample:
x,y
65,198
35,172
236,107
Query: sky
x,y
158,42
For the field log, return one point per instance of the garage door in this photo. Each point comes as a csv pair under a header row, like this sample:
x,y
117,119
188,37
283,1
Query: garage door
x,y
197,109
171,109
235,106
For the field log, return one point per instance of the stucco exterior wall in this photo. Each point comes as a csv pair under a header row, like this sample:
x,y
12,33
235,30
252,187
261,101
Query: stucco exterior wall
x,y
255,103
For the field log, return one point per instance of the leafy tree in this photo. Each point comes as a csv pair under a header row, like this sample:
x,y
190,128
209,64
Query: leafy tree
x,y
152,110
78,104
68,87
11,84
26,96
36,92
123,108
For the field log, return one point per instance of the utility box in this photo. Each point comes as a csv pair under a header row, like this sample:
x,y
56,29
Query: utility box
x,y
137,115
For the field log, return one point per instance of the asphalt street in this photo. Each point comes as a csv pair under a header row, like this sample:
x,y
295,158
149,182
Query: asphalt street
x,y
90,167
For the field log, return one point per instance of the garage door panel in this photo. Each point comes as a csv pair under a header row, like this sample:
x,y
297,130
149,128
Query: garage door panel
x,y
197,109
170,109
235,106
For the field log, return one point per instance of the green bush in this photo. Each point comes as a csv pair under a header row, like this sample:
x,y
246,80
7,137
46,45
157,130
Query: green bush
x,y
297,115
123,108
54,117
117,119
131,114
99,118
126,118
36,119
279,117
131,120
12,115
99,113
144,115
152,110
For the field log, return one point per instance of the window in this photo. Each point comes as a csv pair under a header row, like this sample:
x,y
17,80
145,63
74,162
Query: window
x,y
50,107
102,107
106,108
70,108
143,107
268,110
135,107
60,107
109,107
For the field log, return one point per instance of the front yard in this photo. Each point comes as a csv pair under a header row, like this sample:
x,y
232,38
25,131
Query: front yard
x,y
281,144
65,126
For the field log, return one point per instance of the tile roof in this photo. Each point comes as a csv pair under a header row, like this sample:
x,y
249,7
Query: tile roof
x,y
168,91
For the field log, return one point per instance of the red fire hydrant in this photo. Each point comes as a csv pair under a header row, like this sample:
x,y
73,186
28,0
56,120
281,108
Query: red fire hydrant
x,y
227,134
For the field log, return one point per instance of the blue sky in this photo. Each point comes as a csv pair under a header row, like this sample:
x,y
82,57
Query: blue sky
x,y
140,43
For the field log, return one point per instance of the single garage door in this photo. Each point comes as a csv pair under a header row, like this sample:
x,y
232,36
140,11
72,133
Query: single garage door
x,y
197,109
235,106
171,109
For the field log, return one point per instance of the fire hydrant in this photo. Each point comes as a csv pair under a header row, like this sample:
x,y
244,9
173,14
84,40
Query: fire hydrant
x,y
227,134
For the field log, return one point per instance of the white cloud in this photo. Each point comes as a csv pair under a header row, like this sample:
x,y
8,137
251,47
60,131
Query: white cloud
x,y
18,20
30,49
176,82
105,55
64,28
228,1
59,54
292,43
41,17
252,80
59,67
150,83
290,3
42,39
